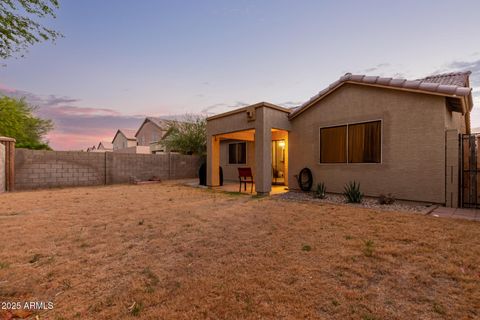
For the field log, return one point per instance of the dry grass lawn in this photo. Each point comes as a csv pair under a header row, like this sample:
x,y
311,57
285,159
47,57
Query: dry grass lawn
x,y
167,251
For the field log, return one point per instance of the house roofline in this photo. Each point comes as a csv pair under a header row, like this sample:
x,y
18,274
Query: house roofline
x,y
256,106
123,134
463,93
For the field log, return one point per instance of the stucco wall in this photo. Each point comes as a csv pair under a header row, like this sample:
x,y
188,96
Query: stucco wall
x,y
47,169
120,142
2,168
134,149
146,133
230,171
413,142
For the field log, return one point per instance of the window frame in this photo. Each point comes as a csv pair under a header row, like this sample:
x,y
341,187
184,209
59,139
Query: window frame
x,y
347,124
236,154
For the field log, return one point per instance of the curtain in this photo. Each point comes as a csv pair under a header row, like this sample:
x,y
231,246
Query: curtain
x,y
364,142
232,153
333,145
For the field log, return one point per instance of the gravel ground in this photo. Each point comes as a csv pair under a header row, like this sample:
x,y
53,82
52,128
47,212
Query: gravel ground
x,y
368,202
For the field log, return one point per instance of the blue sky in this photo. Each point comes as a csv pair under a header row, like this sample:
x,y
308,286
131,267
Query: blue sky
x,y
121,60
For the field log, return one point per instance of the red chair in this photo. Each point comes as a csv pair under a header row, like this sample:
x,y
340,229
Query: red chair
x,y
245,176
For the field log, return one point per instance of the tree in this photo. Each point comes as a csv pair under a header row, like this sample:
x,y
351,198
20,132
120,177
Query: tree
x,y
187,137
19,27
18,121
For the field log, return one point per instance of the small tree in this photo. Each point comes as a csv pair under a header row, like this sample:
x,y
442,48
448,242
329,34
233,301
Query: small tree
x,y
19,28
18,121
188,136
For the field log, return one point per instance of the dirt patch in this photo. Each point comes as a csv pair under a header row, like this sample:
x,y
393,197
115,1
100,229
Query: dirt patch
x,y
170,251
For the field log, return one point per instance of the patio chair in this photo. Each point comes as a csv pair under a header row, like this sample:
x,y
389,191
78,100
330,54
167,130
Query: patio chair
x,y
245,176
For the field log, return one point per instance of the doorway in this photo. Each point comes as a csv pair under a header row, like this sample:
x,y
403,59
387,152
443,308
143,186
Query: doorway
x,y
278,162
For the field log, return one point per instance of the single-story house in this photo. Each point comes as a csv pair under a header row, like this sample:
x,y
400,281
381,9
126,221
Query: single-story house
x,y
391,135
151,133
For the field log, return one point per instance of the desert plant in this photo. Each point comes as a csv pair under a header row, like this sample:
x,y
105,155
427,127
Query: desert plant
x,y
386,199
352,192
320,192
368,249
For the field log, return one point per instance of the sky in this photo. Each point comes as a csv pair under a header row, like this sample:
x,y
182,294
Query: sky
x,y
122,60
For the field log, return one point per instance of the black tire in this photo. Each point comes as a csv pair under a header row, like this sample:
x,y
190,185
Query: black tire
x,y
305,179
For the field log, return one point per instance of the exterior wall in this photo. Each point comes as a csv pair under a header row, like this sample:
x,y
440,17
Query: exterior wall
x,y
48,169
413,142
264,119
149,133
2,168
230,171
121,142
134,149
454,120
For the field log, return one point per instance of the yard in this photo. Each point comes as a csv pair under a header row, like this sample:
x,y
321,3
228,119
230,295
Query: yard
x,y
169,251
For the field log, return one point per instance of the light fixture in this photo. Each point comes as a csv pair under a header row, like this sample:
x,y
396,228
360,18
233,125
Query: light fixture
x,y
281,143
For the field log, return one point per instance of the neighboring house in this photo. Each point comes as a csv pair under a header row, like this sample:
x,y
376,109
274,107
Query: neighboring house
x,y
91,149
151,133
104,146
124,139
390,135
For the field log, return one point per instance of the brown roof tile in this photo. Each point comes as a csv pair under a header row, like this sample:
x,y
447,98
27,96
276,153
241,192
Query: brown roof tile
x,y
451,84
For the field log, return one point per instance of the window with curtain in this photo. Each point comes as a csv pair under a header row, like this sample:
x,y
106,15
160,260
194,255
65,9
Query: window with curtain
x,y
352,143
333,144
237,153
364,142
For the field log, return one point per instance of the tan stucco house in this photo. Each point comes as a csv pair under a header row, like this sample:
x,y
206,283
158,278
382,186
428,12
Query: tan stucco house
x,y
392,135
124,141
151,133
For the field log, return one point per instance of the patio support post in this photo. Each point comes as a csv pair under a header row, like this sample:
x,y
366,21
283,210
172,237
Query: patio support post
x,y
263,153
213,161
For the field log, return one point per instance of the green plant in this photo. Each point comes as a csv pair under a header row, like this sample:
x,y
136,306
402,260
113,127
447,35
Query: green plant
x,y
4,265
368,249
21,25
352,192
306,247
188,136
386,199
320,191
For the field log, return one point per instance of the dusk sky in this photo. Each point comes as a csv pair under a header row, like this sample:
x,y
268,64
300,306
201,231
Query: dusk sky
x,y
120,60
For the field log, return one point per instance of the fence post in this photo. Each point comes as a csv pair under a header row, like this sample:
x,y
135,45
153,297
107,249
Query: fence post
x,y
9,144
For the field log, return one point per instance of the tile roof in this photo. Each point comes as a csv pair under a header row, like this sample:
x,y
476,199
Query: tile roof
x,y
107,145
128,133
459,79
449,84
159,122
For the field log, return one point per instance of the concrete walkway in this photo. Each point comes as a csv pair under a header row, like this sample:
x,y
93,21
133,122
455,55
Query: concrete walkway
x,y
458,213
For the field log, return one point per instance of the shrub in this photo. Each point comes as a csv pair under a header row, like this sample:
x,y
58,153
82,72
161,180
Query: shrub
x,y
352,192
320,191
386,199
368,249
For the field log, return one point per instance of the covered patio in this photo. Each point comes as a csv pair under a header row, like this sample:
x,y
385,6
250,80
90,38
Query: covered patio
x,y
261,132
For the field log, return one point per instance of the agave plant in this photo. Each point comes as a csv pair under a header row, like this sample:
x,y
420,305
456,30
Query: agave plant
x,y
352,192
320,192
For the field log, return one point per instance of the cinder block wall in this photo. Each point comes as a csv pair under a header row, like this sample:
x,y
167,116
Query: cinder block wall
x,y
2,168
36,169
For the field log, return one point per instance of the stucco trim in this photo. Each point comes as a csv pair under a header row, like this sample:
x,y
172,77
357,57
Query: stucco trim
x,y
256,106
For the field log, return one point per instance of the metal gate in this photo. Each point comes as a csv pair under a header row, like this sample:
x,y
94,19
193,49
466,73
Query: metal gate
x,y
470,179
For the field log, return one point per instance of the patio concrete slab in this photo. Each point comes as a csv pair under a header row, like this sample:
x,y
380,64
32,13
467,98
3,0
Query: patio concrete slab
x,y
457,213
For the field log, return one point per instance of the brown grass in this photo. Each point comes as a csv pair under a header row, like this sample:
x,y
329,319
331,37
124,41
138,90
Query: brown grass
x,y
168,251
